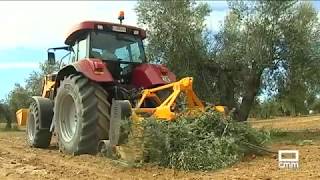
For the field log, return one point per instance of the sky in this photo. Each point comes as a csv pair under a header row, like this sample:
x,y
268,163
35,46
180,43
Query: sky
x,y
29,28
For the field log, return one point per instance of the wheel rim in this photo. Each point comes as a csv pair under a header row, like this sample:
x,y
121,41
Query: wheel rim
x,y
69,118
31,126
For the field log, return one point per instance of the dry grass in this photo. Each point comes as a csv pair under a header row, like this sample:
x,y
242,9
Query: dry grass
x,y
289,123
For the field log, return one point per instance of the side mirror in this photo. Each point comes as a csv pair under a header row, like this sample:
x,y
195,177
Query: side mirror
x,y
51,58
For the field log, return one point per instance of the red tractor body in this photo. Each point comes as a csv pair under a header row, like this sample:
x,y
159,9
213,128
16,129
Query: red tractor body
x,y
105,80
105,64
141,75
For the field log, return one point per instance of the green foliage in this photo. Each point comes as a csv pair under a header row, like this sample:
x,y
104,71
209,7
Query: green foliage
x,y
272,42
264,47
315,106
4,112
297,138
205,143
20,97
303,59
269,109
175,32
285,106
33,84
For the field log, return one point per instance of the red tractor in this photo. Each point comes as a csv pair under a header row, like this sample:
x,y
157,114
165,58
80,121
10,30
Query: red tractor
x,y
106,61
107,65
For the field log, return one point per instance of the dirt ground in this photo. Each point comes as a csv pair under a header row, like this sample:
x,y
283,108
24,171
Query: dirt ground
x,y
17,161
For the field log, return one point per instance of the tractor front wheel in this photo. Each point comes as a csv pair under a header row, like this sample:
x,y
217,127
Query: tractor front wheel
x,y
38,123
81,114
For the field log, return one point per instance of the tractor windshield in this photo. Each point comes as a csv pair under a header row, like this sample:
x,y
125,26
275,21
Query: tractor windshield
x,y
116,47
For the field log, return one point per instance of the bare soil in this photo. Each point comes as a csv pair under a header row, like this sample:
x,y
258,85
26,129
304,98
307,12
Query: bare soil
x,y
18,161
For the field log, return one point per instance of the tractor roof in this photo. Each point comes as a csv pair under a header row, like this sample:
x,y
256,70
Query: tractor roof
x,y
78,29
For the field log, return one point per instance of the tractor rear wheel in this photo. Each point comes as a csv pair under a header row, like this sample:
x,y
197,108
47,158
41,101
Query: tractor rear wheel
x,y
38,132
81,114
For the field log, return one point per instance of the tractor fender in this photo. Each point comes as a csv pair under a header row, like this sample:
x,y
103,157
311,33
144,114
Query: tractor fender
x,y
93,69
45,107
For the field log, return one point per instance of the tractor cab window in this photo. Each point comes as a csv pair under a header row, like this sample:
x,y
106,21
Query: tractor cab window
x,y
129,53
82,49
73,53
116,47
79,49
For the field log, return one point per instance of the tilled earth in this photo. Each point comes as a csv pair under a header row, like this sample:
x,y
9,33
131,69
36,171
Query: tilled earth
x,y
18,161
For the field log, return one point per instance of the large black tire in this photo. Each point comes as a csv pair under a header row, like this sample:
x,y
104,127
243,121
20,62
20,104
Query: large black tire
x,y
81,114
36,136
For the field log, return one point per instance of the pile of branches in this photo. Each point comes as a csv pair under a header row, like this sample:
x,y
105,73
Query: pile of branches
x,y
206,143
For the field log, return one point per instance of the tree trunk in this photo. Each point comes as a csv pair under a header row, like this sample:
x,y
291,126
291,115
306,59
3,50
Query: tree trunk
x,y
250,93
227,90
8,117
8,125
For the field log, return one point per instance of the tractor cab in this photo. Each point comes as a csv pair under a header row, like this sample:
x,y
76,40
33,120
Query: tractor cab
x,y
109,53
119,46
